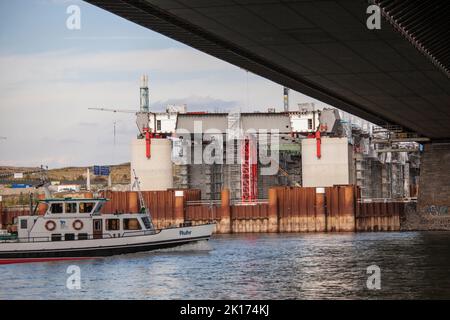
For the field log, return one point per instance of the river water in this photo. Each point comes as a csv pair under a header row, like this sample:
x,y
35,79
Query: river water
x,y
253,266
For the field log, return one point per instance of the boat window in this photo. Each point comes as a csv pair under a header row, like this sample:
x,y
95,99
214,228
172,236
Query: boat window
x,y
57,208
23,224
98,207
71,207
69,236
146,222
82,236
98,225
86,207
56,237
131,224
112,224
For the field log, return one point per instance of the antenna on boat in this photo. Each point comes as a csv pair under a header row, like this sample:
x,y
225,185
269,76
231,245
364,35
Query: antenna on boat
x,y
143,207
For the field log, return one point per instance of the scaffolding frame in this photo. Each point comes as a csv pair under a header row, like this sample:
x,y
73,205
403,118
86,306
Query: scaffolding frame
x,y
249,169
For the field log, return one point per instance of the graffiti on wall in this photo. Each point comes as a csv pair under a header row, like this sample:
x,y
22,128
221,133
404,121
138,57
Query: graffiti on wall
x,y
436,211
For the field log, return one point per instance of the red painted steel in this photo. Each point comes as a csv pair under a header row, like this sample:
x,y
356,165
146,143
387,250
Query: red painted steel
x,y
148,142
318,145
249,170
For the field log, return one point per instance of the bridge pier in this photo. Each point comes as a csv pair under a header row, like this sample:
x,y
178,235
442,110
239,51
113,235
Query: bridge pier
x,y
433,204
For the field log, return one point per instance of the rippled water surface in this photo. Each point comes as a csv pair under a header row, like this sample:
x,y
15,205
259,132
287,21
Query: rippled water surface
x,y
262,266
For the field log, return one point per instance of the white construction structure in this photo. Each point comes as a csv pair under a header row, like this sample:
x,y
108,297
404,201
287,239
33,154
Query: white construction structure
x,y
335,165
155,172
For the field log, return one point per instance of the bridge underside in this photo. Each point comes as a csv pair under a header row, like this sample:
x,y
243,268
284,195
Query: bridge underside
x,y
395,75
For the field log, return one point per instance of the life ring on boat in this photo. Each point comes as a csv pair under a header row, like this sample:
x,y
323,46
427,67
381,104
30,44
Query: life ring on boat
x,y
50,225
77,224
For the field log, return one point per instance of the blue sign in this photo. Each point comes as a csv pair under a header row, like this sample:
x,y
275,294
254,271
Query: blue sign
x,y
101,170
20,185
104,171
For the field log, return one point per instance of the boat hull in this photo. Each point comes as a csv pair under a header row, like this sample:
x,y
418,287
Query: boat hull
x,y
87,249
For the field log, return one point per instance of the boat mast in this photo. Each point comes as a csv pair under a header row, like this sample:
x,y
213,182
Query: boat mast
x,y
143,207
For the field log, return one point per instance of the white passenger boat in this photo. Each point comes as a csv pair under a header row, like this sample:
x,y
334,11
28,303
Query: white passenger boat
x,y
73,229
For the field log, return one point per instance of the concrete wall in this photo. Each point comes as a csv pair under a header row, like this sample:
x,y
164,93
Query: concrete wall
x,y
334,166
433,206
154,173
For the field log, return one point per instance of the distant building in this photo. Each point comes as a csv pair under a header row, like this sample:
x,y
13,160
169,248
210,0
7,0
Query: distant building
x,y
68,187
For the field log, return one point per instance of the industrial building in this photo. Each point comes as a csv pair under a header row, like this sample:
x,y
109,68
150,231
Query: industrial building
x,y
240,144
248,153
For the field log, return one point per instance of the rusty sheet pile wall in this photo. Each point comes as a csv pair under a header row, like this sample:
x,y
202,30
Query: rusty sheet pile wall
x,y
379,216
249,218
288,209
165,207
292,210
8,215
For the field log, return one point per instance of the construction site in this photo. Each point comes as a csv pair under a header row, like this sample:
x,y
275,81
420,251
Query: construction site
x,y
307,146
300,161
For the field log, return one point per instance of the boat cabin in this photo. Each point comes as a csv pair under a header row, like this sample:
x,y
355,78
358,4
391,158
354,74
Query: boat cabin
x,y
80,219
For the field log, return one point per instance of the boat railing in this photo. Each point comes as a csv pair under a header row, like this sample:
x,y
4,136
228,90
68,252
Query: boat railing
x,y
85,237
140,233
136,233
50,239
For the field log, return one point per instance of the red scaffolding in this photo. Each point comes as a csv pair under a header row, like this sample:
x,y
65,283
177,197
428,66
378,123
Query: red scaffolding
x,y
249,169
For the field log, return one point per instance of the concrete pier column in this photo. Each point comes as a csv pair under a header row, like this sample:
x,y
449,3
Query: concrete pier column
x,y
225,212
179,207
273,211
88,179
433,203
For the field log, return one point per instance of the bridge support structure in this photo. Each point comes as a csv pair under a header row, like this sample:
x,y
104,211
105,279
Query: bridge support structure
x,y
433,203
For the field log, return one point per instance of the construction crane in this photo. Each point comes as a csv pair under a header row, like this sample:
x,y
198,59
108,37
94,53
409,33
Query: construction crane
x,y
286,99
113,110
144,99
142,116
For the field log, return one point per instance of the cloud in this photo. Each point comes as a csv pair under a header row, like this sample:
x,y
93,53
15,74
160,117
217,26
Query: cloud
x,y
44,99
71,65
198,103
88,124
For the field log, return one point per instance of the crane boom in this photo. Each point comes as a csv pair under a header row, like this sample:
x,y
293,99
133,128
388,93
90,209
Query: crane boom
x,y
113,110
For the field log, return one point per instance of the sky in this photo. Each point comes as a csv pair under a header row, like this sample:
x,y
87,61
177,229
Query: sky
x,y
50,75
